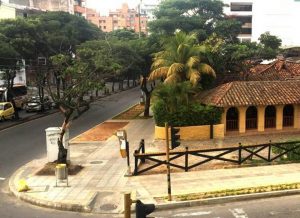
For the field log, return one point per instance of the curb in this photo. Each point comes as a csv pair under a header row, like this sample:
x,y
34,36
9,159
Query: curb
x,y
44,203
227,199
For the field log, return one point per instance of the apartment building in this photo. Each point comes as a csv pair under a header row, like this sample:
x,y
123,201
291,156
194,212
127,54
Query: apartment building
x,y
89,14
148,7
123,18
279,17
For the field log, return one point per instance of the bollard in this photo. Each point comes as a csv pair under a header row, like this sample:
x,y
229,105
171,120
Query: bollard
x,y
127,204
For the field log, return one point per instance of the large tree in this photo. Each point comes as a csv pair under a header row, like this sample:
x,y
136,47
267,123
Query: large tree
x,y
182,59
202,17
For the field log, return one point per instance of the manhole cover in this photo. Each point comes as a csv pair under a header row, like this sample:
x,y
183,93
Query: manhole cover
x,y
96,162
108,207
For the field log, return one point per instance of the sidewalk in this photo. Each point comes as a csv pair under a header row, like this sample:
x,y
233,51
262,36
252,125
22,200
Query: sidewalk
x,y
99,187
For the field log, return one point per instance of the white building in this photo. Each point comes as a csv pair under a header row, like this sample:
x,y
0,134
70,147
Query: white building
x,y
148,8
279,17
20,78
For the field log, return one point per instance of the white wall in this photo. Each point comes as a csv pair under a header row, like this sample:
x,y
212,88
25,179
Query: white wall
x,y
279,17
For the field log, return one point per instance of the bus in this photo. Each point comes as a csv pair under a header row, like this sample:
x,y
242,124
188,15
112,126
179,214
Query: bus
x,y
19,93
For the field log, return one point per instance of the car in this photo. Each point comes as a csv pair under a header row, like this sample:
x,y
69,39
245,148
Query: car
x,y
35,104
7,111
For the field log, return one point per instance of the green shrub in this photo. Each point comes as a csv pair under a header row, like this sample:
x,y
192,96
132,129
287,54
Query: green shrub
x,y
193,115
292,155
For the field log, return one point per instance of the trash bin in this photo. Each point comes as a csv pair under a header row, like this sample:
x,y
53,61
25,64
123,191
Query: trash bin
x,y
52,134
61,173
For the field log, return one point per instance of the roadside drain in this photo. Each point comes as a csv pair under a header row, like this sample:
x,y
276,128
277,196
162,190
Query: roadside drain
x,y
107,201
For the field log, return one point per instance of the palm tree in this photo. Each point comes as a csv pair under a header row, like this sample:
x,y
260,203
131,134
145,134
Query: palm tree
x,y
181,60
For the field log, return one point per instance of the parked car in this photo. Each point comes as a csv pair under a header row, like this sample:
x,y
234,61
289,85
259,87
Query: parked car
x,y
7,111
35,104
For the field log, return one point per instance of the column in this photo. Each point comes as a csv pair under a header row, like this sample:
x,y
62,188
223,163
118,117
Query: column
x,y
296,116
242,119
223,118
261,118
279,116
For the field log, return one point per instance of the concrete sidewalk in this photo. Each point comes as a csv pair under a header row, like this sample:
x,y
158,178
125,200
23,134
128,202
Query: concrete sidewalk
x,y
99,187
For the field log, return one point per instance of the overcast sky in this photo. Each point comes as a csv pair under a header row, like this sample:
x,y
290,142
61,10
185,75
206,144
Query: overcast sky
x,y
103,6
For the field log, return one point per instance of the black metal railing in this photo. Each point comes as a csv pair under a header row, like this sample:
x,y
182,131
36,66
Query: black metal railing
x,y
251,123
232,125
242,154
270,122
288,121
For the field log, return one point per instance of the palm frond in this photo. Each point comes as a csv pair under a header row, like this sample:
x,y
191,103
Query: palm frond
x,y
175,68
158,73
193,61
206,69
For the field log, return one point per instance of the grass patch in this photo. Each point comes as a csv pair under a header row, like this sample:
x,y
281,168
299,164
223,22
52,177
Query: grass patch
x,y
49,169
131,113
231,192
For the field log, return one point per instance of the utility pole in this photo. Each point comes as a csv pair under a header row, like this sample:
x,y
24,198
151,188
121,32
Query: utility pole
x,y
168,162
139,13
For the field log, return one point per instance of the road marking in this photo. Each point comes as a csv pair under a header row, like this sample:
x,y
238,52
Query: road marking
x,y
2,179
238,213
192,214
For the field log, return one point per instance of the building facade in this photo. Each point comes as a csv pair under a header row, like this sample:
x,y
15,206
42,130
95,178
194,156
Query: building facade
x,y
48,5
124,18
279,17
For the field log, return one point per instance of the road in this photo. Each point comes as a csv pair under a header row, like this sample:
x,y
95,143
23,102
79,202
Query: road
x,y
22,143
281,207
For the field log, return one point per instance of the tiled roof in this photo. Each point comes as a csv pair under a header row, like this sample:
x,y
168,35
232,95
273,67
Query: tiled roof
x,y
247,93
278,70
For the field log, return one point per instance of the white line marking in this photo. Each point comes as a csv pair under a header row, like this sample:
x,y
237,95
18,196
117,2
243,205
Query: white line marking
x,y
238,213
2,179
193,214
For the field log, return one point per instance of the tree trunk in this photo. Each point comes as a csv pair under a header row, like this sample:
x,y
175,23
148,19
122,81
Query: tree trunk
x,y
128,83
147,95
113,86
62,152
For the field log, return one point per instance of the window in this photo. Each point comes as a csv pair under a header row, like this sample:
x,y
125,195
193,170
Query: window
x,y
241,6
246,31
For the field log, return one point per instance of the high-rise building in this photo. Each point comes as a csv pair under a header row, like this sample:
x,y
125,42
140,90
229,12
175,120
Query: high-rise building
x,y
124,18
279,17
147,8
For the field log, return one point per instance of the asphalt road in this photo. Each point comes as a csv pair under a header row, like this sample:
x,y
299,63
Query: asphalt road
x,y
281,207
22,143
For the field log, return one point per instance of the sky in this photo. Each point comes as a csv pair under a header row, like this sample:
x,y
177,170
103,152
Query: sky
x,y
103,6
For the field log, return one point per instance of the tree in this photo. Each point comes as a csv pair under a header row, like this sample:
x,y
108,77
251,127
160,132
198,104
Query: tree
x,y
181,60
201,17
9,64
79,77
270,41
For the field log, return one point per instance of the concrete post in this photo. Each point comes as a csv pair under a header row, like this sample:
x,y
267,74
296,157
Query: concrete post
x,y
242,119
261,118
223,119
279,116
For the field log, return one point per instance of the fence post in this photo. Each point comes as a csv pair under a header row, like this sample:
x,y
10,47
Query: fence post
x,y
136,159
142,143
269,151
186,167
240,153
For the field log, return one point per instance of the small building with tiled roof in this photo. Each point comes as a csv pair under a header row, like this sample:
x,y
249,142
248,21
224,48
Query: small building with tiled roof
x,y
280,69
256,105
